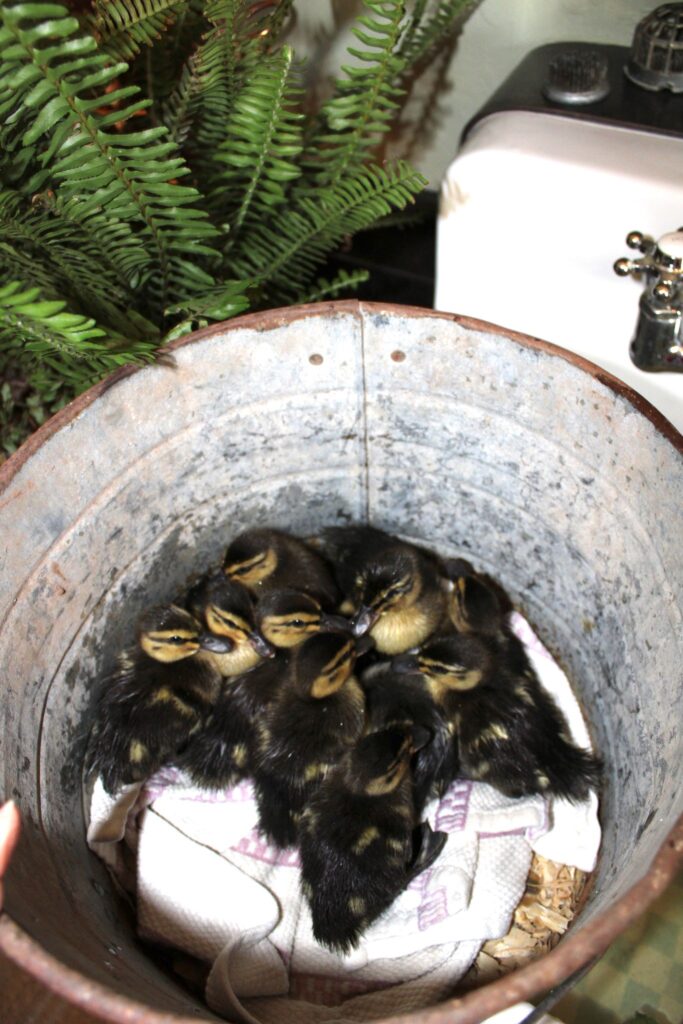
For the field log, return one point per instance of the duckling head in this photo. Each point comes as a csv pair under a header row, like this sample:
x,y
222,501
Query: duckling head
x,y
288,617
387,583
228,611
474,606
378,763
168,633
252,557
459,661
323,664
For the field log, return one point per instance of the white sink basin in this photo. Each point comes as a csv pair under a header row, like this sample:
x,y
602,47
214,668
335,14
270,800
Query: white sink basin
x,y
534,211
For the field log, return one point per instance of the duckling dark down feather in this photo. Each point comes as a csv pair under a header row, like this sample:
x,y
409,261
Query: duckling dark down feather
x,y
359,844
395,699
150,706
396,589
266,559
318,712
510,732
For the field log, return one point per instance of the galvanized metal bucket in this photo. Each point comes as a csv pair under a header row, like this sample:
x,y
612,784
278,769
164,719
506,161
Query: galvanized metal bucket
x,y
538,466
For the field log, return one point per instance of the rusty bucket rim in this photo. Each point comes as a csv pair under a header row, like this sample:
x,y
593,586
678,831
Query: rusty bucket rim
x,y
274,318
576,949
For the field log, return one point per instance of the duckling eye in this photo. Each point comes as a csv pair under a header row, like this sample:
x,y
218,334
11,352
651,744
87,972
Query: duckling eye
x,y
227,621
297,622
178,639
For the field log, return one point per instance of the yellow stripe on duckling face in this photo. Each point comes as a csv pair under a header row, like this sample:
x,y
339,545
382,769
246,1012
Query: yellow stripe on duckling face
x,y
253,571
335,673
223,623
442,677
169,645
289,630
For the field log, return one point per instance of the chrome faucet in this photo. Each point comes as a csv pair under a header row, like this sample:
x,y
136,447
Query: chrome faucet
x,y
658,340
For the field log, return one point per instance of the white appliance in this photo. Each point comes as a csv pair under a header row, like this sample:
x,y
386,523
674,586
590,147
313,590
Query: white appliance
x,y
536,207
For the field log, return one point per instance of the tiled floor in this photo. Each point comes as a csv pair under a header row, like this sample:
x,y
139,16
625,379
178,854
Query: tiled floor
x,y
642,970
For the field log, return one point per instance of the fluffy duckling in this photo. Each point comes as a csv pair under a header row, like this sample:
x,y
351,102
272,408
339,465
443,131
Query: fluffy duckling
x,y
510,732
265,559
401,700
221,753
159,695
287,617
317,713
227,610
395,588
358,842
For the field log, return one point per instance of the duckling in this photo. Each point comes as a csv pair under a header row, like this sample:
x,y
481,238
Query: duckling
x,y
396,589
158,696
510,732
358,842
227,609
287,617
265,559
221,753
397,699
317,713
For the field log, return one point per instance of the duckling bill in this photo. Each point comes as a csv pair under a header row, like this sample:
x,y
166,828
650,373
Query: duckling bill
x,y
359,844
227,610
287,617
159,695
395,588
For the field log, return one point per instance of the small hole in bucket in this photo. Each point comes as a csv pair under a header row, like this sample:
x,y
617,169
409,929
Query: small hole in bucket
x,y
398,356
316,359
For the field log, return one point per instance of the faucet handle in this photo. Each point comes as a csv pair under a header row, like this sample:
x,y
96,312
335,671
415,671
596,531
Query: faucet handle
x,y
637,240
658,340
664,257
668,253
645,264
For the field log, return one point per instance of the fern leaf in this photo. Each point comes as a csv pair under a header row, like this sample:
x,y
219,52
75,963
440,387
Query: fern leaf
x,y
345,281
220,303
240,36
124,27
263,140
132,176
363,105
430,31
46,332
287,250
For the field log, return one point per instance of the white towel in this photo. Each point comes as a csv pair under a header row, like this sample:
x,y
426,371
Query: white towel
x,y
209,885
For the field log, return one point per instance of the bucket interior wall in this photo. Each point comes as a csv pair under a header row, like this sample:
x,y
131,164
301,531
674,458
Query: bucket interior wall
x,y
450,433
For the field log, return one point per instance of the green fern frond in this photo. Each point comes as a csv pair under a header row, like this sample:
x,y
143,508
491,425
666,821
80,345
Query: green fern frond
x,y
345,281
220,63
220,303
124,27
429,31
242,34
364,104
177,110
71,345
263,139
286,251
130,175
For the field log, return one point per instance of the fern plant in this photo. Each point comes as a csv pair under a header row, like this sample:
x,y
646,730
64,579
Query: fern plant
x,y
160,170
